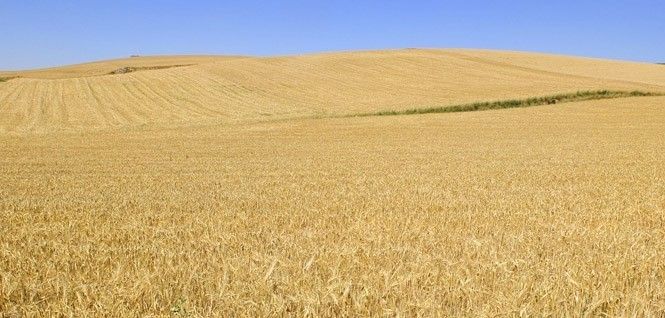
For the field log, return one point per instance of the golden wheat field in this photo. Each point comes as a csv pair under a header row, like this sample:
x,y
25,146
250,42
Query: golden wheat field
x,y
236,187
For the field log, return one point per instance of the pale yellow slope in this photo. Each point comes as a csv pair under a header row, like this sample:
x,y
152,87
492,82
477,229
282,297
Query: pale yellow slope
x,y
249,89
608,69
105,67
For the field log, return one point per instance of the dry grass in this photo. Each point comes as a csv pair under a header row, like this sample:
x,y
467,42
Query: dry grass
x,y
130,69
556,210
515,103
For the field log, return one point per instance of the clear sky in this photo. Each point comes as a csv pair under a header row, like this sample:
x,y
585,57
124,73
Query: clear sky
x,y
55,32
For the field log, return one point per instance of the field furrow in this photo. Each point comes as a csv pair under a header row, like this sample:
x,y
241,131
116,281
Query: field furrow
x,y
202,99
112,98
169,107
63,114
149,107
6,93
11,113
552,74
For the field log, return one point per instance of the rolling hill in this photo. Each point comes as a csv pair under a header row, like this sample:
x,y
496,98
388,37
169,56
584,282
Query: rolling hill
x,y
191,90
270,187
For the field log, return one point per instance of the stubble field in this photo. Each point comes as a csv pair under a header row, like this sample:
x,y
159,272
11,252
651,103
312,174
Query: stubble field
x,y
549,211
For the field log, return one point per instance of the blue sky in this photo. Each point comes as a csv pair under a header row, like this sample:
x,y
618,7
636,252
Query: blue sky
x,y
47,33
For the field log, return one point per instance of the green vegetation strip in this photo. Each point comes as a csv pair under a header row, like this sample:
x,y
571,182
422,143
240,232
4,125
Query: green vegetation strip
x,y
514,103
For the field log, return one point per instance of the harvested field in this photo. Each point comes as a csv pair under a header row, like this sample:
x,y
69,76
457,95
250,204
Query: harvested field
x,y
237,90
212,189
105,67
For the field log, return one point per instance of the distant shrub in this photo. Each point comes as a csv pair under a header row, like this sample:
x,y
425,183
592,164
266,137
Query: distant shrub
x,y
129,69
515,103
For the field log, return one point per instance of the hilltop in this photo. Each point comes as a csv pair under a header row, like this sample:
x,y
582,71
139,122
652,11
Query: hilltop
x,y
106,67
188,90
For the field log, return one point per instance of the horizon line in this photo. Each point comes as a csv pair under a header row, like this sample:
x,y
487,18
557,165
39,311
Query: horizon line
x,y
319,52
